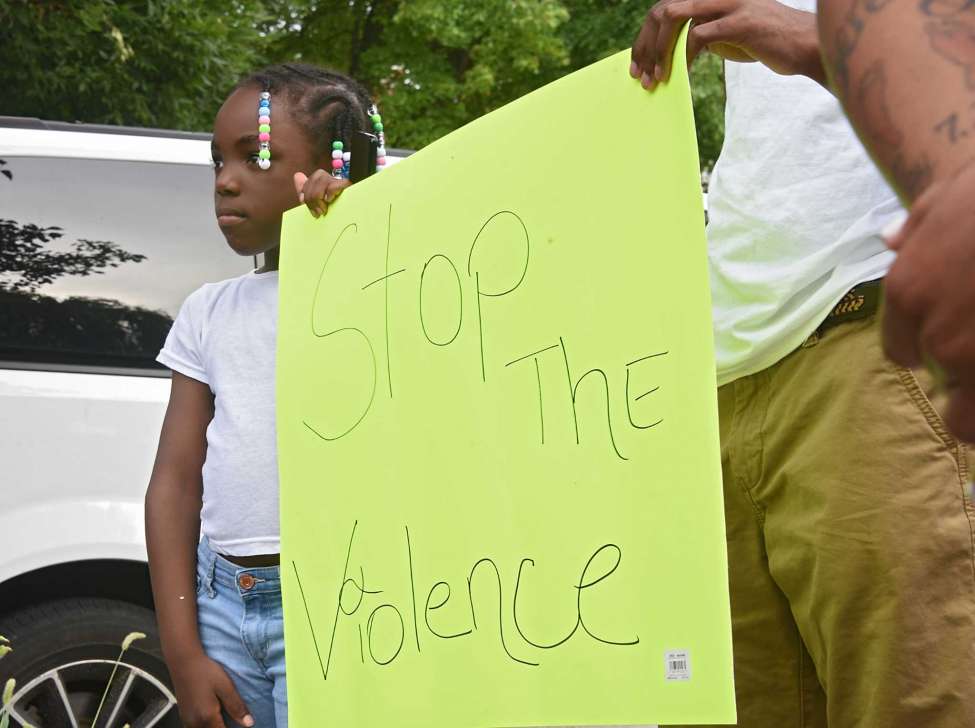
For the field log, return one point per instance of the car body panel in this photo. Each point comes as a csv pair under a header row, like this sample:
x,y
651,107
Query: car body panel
x,y
81,448
78,440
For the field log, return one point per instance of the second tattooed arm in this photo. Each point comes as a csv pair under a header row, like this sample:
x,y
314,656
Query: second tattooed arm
x,y
905,72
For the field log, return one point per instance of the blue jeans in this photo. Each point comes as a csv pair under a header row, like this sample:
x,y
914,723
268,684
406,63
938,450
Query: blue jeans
x,y
241,625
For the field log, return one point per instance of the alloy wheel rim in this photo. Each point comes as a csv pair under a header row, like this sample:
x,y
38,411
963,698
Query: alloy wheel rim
x,y
135,694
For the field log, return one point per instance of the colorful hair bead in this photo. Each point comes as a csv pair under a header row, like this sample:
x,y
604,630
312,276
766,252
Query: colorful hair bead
x,y
341,158
264,130
337,163
377,126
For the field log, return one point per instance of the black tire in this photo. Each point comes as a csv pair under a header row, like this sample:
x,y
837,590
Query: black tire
x,y
80,639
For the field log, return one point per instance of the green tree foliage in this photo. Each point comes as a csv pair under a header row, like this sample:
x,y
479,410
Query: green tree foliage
x,y
598,28
437,64
162,63
707,91
434,64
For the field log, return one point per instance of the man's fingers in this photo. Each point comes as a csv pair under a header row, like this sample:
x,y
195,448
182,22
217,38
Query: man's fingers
x,y
893,234
901,326
898,233
641,65
960,416
672,19
694,46
638,53
720,30
232,702
900,338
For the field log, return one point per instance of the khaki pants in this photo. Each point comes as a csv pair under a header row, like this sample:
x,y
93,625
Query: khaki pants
x,y
850,542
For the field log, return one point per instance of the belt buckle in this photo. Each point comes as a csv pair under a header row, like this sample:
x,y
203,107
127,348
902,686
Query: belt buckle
x,y
859,302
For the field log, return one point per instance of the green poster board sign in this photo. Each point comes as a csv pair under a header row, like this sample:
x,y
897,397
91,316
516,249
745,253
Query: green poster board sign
x,y
500,476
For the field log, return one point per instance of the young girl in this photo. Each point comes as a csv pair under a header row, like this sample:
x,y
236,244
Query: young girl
x,y
216,467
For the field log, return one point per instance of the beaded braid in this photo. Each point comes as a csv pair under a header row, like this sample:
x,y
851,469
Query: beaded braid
x,y
329,106
264,131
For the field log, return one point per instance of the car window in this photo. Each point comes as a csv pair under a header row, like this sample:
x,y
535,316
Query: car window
x,y
96,257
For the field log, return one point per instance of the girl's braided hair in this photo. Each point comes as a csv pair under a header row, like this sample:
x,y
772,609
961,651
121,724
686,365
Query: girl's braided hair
x,y
328,105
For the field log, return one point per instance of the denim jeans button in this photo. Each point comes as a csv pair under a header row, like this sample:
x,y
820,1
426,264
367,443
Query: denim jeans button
x,y
246,581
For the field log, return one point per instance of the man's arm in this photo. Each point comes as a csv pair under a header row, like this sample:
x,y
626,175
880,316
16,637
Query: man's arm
x,y
905,72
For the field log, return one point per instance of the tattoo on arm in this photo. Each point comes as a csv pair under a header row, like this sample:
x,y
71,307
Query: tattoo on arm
x,y
949,126
912,177
954,40
849,33
872,98
945,8
949,31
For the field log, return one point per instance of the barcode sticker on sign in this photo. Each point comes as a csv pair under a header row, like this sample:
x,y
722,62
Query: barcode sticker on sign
x,y
678,665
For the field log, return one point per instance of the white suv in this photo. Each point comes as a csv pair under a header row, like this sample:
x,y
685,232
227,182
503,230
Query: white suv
x,y
103,233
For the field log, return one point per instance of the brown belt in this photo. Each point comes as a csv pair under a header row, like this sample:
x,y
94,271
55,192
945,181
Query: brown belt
x,y
861,301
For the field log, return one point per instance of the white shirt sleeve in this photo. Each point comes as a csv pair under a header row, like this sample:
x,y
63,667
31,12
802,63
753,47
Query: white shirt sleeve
x,y
183,350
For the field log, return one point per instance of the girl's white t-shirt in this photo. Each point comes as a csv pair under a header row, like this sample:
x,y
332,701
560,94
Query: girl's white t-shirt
x,y
796,212
225,336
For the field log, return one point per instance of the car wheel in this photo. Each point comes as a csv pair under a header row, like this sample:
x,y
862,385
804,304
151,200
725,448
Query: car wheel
x,y
63,658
